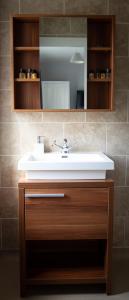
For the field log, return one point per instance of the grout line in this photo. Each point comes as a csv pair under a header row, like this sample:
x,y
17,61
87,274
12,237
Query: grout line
x,y
6,90
128,108
9,218
121,56
5,55
4,21
64,7
8,187
107,7
10,155
122,186
59,123
70,122
122,23
85,117
126,170
124,229
19,6
120,247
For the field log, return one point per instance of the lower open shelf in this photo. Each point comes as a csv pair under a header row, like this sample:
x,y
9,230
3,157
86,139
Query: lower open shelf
x,y
65,262
64,275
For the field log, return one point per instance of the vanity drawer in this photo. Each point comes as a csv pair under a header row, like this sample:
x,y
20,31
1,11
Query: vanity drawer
x,y
73,213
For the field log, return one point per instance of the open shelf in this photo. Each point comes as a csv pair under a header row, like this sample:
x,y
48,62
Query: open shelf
x,y
100,58
27,95
65,262
66,276
26,56
98,94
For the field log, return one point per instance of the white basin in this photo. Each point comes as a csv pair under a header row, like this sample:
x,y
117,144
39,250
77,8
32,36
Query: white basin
x,y
75,166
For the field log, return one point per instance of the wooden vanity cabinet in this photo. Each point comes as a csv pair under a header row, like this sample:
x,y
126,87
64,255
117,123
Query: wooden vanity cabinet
x,y
65,232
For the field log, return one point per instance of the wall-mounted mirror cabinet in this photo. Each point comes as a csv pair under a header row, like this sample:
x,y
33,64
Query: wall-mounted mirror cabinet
x,y
63,62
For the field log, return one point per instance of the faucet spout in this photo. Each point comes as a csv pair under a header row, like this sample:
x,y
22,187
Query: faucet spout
x,y
65,148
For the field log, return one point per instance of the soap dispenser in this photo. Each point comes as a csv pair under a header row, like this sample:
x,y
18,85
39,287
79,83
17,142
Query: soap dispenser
x,y
39,147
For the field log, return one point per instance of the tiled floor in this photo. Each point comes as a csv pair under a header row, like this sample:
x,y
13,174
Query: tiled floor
x,y
9,283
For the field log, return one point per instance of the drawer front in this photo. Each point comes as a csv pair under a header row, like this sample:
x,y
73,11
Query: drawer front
x,y
75,213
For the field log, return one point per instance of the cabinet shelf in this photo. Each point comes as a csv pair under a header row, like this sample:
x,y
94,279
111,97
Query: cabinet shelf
x,y
27,80
26,48
66,275
100,49
99,80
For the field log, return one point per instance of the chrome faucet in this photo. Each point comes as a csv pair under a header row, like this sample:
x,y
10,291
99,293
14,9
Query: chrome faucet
x,y
64,148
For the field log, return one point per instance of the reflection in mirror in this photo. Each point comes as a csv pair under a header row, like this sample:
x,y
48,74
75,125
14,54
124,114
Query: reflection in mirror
x,y
63,62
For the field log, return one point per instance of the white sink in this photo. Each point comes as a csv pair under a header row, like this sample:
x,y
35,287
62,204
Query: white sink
x,y
75,166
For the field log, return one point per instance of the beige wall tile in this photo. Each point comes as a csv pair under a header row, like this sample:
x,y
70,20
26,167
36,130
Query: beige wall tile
x,y
8,203
29,133
121,45
10,139
86,137
55,25
118,232
10,234
7,8
27,117
121,201
7,115
79,26
42,6
118,139
5,77
122,74
118,174
88,7
4,38
9,173
63,116
118,115
6,102
120,9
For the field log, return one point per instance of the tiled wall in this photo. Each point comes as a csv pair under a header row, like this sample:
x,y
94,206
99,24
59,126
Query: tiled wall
x,y
108,132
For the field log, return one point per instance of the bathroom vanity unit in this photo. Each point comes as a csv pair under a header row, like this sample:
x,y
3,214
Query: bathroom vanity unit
x,y
65,232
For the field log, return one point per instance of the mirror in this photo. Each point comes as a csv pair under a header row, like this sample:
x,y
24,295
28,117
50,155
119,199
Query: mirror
x,y
63,62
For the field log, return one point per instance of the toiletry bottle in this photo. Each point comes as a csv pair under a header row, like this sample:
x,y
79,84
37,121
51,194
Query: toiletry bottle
x,y
28,73
33,74
22,74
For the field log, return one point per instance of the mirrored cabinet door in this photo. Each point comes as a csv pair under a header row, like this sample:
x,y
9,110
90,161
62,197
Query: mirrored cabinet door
x,y
63,63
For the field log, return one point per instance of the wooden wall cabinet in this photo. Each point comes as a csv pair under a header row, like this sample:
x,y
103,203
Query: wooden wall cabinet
x,y
65,232
25,54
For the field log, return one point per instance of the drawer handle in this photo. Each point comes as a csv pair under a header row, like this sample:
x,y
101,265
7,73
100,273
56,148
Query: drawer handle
x,y
44,195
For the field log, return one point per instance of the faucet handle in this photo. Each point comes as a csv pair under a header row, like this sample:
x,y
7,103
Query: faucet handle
x,y
39,138
65,140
